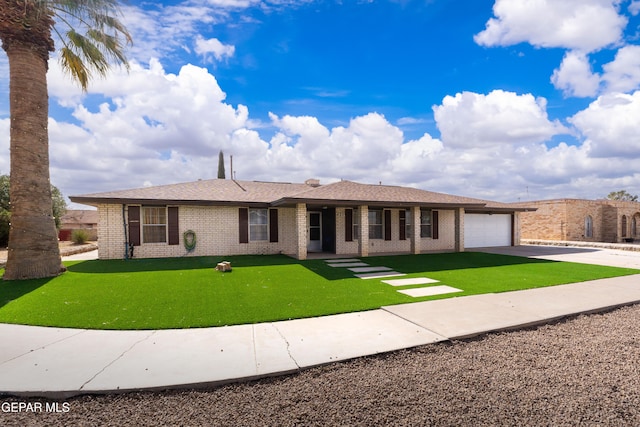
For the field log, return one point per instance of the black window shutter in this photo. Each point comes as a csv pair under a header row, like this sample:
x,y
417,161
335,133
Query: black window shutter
x,y
387,225
243,225
434,224
134,225
273,225
348,225
174,229
403,225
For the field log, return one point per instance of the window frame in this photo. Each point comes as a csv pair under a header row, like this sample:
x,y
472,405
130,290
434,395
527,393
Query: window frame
x,y
588,226
376,229
356,224
149,237
255,227
408,224
426,228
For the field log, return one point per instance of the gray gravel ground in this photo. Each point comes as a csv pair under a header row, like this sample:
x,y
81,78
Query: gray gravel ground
x,y
584,371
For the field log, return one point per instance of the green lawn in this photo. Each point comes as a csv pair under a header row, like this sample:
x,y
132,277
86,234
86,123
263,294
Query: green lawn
x,y
188,292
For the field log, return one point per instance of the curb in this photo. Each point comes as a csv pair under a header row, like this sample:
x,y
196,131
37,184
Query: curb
x,y
634,247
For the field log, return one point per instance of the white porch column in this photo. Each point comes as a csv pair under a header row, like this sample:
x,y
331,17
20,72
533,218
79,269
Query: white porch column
x,y
459,226
363,238
301,231
415,230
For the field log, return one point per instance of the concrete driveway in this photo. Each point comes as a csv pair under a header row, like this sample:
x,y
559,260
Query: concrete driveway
x,y
598,256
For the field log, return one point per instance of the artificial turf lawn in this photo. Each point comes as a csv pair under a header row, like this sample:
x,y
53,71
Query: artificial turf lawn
x,y
188,292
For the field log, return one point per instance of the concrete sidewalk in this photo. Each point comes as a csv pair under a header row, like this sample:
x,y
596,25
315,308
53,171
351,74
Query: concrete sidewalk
x,y
56,362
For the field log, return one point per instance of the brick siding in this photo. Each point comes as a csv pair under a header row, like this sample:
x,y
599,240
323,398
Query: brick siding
x,y
217,233
565,220
216,230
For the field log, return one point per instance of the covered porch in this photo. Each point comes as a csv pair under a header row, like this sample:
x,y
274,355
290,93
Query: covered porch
x,y
338,230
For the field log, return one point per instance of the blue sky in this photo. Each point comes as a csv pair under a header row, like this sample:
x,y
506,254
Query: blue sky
x,y
503,99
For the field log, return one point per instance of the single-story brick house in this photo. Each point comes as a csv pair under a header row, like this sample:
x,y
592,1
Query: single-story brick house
x,y
232,217
75,219
609,221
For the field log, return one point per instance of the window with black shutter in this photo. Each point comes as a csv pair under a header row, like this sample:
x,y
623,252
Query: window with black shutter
x,y
387,225
348,225
243,225
273,225
134,225
434,225
402,228
174,228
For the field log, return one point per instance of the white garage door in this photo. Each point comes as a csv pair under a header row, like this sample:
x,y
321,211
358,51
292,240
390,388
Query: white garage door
x,y
483,230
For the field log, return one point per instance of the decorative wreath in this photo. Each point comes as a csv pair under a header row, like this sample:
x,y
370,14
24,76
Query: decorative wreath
x,y
189,238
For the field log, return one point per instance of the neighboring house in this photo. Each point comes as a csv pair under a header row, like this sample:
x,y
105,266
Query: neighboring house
x,y
232,217
609,221
79,219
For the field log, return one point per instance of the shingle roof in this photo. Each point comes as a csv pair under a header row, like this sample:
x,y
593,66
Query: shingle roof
x,y
206,192
230,192
79,217
347,192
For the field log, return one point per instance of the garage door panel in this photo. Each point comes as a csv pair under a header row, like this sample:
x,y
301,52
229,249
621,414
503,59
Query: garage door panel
x,y
483,230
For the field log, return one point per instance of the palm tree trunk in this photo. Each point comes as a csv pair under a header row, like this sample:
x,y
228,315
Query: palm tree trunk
x,y
33,241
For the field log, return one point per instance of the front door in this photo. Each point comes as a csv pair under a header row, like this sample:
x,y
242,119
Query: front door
x,y
314,232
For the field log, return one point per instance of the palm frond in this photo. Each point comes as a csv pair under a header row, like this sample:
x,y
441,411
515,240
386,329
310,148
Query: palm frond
x,y
95,37
86,48
74,65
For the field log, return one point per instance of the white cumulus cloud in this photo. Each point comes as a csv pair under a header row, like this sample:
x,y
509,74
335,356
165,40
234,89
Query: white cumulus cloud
x,y
623,73
610,125
476,120
585,25
575,76
153,127
205,47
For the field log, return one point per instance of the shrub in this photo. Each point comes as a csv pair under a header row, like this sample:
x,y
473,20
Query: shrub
x,y
79,236
5,217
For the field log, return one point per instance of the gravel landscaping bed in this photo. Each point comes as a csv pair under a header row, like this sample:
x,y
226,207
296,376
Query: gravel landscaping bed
x,y
583,371
66,249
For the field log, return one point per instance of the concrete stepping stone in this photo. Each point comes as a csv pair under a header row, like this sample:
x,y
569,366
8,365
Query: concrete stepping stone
x,y
369,269
379,275
339,260
349,264
413,281
430,291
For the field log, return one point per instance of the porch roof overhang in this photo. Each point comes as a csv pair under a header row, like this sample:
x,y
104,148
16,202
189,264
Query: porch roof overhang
x,y
292,201
499,209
